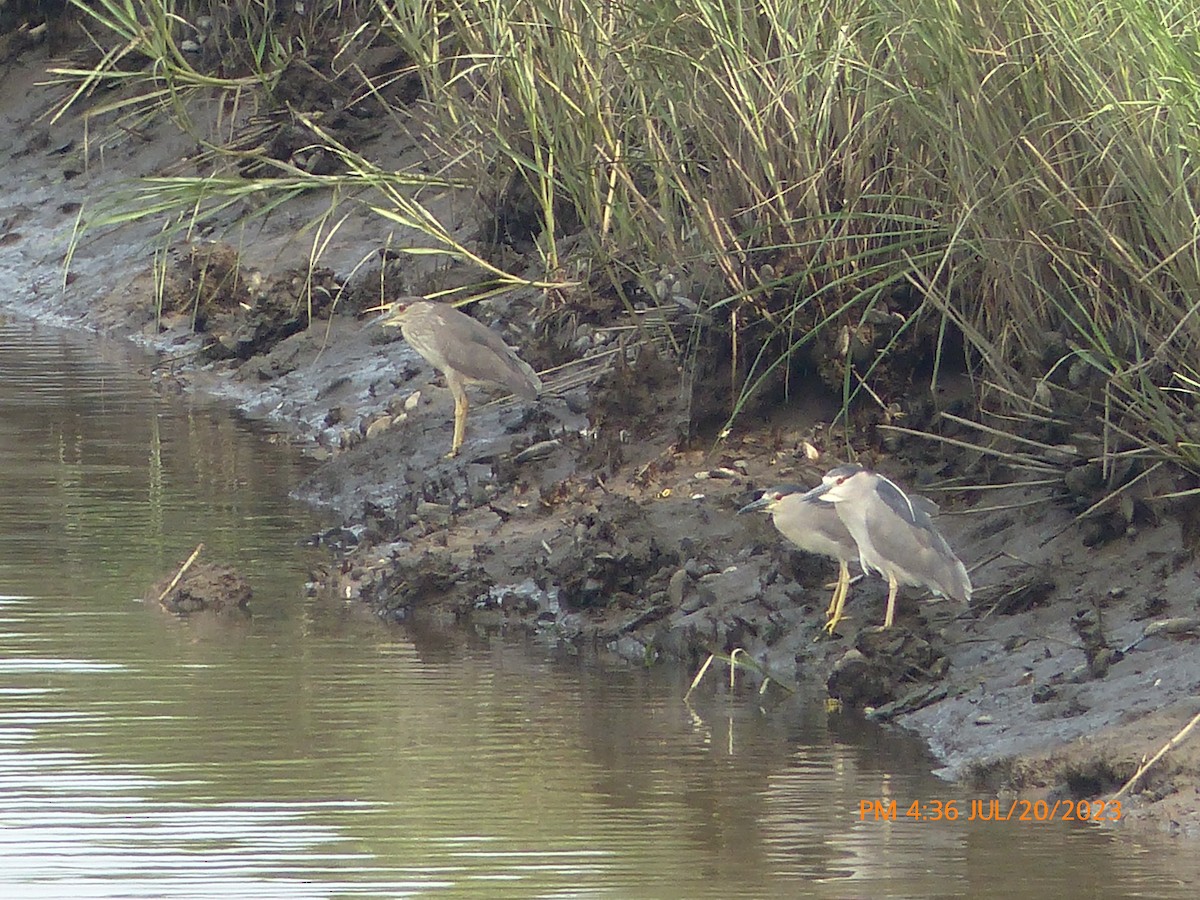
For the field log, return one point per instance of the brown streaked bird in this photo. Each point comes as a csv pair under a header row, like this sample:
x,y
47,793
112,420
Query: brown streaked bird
x,y
895,535
464,350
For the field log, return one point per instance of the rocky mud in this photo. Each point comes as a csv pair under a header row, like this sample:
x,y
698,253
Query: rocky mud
x,y
204,589
604,516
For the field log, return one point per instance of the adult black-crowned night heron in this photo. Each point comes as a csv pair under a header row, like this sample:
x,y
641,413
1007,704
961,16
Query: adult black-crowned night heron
x,y
464,350
894,533
813,525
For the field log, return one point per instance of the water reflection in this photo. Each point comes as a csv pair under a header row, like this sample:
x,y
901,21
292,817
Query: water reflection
x,y
313,753
89,452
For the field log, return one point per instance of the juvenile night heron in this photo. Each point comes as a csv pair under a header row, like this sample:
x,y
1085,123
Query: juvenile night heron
x,y
894,533
464,350
813,525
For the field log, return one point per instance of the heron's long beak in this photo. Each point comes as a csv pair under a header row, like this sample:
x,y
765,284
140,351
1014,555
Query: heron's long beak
x,y
816,493
391,313
761,503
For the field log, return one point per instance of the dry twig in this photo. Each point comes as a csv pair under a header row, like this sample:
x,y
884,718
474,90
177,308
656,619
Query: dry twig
x,y
1142,769
187,565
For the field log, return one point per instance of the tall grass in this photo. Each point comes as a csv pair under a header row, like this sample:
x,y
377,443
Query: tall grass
x,y
1021,173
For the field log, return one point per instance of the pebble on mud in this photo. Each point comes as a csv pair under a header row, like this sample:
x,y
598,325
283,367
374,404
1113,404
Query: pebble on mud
x,y
379,426
1044,693
534,452
677,587
433,513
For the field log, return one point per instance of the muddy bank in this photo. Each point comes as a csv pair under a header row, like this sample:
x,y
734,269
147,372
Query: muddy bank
x,y
605,515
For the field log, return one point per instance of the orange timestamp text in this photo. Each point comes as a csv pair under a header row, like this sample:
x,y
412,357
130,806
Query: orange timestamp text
x,y
991,811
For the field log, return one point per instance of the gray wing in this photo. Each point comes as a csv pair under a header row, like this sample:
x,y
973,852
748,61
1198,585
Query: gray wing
x,y
924,505
481,355
899,502
913,508
923,556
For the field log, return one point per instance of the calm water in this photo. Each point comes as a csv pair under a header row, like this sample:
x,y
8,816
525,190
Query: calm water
x,y
312,753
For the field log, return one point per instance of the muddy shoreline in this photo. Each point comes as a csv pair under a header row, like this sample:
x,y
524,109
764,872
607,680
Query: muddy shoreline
x,y
600,519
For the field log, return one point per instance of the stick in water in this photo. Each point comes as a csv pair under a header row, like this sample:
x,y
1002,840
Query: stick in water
x,y
187,565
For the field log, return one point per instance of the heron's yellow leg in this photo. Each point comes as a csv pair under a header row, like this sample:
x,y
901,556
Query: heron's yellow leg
x,y
893,587
839,597
461,405
833,598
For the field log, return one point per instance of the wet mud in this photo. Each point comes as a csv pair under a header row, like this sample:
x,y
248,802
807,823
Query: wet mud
x,y
208,589
604,515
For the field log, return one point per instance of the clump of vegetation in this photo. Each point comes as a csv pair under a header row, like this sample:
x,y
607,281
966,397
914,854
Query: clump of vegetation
x,y
885,189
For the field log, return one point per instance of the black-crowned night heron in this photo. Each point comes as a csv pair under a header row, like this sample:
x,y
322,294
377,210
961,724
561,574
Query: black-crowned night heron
x,y
813,525
894,533
464,350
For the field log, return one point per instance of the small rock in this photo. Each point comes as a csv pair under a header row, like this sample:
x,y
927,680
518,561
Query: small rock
x,y
1184,625
1080,674
910,702
379,426
433,513
1044,693
1155,605
882,663
858,682
591,589
630,648
677,587
1083,480
537,451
